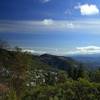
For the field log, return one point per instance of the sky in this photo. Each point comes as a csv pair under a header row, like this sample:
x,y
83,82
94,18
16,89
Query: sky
x,y
61,27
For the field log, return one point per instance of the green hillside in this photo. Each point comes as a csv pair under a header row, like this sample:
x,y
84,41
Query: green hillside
x,y
24,76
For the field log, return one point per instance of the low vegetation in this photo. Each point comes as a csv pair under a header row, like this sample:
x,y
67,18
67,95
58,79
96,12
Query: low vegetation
x,y
24,76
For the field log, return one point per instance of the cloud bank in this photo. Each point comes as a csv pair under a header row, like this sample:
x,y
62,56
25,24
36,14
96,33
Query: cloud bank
x,y
33,51
89,49
87,9
78,50
86,50
50,25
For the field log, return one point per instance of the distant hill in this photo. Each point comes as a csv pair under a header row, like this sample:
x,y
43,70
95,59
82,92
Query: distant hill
x,y
45,61
58,62
92,61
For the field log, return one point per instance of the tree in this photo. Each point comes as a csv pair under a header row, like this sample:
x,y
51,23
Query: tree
x,y
97,76
19,68
81,71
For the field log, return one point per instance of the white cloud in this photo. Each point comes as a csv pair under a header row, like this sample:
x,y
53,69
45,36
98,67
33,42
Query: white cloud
x,y
34,51
87,9
28,50
45,1
34,26
77,50
47,21
50,25
70,25
89,49
86,50
42,50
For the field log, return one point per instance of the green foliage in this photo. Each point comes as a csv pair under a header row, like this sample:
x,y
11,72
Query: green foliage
x,y
30,78
11,95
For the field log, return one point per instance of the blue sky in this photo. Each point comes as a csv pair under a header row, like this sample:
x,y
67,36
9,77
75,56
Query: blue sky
x,y
60,27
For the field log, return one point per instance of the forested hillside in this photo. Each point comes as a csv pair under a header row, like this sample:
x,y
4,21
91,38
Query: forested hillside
x,y
24,76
